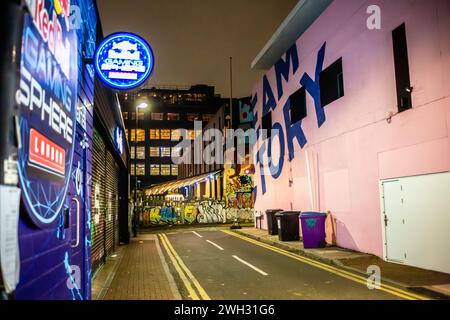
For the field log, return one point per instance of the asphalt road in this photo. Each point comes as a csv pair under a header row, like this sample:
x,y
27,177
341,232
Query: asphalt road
x,y
227,267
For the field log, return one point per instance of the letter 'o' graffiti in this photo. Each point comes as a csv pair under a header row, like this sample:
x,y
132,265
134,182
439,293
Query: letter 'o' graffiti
x,y
275,170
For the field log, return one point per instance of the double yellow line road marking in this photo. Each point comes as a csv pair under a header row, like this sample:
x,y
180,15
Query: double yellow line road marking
x,y
196,291
192,285
339,272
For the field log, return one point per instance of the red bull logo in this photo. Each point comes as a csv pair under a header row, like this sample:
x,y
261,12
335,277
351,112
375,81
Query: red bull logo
x,y
49,26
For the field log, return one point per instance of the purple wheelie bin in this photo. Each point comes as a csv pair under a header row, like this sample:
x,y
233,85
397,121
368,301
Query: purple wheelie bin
x,y
313,229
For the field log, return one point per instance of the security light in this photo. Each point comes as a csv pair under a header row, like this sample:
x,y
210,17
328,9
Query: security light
x,y
143,105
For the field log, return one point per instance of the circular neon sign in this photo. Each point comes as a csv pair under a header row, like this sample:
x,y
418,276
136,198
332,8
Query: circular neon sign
x,y
124,61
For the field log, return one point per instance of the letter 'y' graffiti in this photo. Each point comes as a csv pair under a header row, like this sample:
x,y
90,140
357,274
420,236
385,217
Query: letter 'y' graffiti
x,y
313,86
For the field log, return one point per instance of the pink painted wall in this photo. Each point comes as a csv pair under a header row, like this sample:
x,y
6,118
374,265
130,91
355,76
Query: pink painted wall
x,y
356,147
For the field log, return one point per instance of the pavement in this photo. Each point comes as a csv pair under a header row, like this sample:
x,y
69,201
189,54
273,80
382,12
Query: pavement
x,y
137,271
432,283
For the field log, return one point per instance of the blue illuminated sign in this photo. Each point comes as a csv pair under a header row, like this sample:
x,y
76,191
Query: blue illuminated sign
x,y
124,61
47,100
118,139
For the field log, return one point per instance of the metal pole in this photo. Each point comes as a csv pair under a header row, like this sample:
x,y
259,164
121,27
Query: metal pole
x,y
231,92
135,176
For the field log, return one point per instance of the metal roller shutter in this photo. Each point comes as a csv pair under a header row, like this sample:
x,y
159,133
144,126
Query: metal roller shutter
x,y
105,202
112,204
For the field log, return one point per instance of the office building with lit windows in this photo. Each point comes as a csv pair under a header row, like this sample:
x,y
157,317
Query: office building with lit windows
x,y
169,109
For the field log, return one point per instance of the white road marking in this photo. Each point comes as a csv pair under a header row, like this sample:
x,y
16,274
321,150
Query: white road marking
x,y
198,235
251,266
215,245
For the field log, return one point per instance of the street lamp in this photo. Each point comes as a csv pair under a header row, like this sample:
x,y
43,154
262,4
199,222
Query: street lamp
x,y
140,106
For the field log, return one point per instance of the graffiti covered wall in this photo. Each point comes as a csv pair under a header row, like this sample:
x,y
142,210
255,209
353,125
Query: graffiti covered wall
x,y
238,181
203,212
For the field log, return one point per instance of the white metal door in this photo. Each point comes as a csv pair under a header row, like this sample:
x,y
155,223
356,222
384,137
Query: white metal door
x,y
394,221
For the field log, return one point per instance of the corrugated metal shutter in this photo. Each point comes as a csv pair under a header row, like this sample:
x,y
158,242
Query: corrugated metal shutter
x,y
105,202
98,200
112,204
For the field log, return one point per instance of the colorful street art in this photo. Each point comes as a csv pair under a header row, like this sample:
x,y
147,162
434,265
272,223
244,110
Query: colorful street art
x,y
204,212
237,204
239,187
157,216
211,212
190,214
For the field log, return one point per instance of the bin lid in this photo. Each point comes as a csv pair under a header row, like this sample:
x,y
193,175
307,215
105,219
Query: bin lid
x,y
288,213
313,214
273,210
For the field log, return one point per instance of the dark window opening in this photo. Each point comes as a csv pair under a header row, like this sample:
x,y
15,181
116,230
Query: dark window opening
x,y
298,106
267,124
401,63
331,83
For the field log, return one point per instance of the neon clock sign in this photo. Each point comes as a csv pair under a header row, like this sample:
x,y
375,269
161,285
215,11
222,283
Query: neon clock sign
x,y
124,61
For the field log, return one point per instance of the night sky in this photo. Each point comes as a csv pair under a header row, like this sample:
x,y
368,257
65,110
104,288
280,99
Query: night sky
x,y
193,39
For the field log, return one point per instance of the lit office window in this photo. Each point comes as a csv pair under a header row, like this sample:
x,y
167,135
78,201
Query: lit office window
x,y
126,134
192,134
174,170
140,169
140,135
165,170
165,152
141,116
154,169
140,153
192,116
173,116
154,152
157,116
207,117
176,152
154,134
176,135
165,134
125,115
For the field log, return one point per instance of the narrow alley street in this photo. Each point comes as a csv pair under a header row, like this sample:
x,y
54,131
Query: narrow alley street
x,y
227,158
218,264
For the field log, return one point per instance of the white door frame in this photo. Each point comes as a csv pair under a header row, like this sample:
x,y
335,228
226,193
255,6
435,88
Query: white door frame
x,y
382,216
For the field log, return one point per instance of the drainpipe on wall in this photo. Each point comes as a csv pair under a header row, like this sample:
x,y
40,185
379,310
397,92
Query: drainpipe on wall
x,y
310,187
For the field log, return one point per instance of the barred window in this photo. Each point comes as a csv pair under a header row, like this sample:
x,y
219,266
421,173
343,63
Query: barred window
x,y
140,153
154,152
165,170
165,152
154,134
154,170
165,134
140,135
